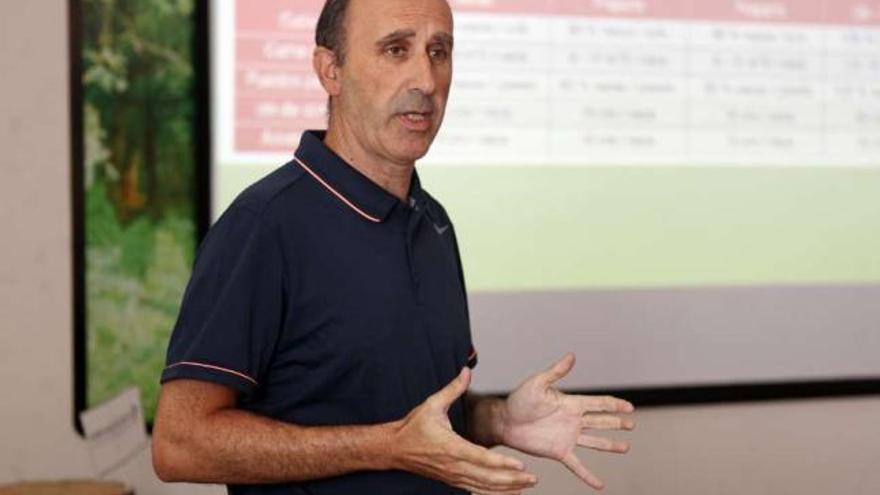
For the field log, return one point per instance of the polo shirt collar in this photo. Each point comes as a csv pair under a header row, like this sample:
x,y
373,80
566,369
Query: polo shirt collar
x,y
345,182
416,196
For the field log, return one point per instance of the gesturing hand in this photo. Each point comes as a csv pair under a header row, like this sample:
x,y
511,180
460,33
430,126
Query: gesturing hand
x,y
426,444
542,421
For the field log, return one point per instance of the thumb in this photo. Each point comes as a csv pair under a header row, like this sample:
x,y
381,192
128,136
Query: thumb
x,y
558,371
454,389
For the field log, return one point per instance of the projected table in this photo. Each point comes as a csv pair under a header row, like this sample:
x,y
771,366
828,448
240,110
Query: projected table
x,y
600,82
675,189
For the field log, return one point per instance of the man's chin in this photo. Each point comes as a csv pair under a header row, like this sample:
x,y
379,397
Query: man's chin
x,y
413,149
412,156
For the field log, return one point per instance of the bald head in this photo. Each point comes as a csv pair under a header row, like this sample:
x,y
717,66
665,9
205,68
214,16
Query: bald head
x,y
330,32
387,67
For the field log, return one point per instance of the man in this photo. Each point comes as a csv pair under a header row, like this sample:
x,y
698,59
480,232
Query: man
x,y
323,345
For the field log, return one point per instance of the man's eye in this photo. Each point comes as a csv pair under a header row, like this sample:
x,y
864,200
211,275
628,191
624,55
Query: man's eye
x,y
396,51
439,53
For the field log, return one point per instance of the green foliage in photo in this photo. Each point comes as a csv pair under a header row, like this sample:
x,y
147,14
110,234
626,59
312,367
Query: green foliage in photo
x,y
139,174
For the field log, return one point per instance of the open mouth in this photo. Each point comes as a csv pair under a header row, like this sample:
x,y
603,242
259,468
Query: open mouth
x,y
416,121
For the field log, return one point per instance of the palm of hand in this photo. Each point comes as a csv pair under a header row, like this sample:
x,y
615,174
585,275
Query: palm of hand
x,y
542,421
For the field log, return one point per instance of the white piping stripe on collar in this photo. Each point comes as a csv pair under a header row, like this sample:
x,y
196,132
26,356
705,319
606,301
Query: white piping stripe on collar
x,y
335,192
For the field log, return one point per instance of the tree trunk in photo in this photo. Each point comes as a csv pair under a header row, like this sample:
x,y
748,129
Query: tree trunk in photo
x,y
149,149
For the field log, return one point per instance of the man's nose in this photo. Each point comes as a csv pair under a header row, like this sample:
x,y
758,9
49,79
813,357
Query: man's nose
x,y
424,77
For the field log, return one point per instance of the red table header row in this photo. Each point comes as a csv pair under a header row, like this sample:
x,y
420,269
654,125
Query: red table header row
x,y
806,11
298,16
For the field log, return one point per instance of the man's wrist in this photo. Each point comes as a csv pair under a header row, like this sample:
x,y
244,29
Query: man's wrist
x,y
498,422
381,454
487,420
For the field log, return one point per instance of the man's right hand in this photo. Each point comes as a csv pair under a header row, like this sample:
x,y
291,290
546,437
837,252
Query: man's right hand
x,y
425,443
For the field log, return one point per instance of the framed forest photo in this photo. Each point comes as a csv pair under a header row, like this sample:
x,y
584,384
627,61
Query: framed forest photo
x,y
140,145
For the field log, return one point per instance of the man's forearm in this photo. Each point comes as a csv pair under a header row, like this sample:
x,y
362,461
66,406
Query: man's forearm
x,y
233,446
485,419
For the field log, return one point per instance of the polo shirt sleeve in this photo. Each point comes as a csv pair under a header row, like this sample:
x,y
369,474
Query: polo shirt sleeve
x,y
233,307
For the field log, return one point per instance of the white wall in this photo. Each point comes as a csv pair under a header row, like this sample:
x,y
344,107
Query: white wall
x,y
804,447
35,267
37,439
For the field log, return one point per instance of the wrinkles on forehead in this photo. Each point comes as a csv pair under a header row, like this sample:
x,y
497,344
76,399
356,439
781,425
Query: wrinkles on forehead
x,y
375,21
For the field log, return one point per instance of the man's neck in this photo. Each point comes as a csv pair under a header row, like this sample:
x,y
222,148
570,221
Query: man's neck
x,y
392,177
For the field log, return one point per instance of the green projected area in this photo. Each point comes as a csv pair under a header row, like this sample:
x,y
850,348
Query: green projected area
x,y
542,227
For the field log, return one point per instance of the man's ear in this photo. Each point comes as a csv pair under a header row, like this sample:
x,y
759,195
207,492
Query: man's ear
x,y
327,70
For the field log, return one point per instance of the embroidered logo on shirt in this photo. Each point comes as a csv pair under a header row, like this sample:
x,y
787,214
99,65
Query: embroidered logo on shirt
x,y
441,230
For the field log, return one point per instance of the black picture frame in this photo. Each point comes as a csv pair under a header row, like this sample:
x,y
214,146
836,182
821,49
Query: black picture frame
x,y
201,186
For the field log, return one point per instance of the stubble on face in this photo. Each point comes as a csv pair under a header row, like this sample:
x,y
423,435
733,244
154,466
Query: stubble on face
x,y
396,78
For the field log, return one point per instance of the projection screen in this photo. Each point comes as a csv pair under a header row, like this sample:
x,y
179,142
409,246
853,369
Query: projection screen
x,y
683,192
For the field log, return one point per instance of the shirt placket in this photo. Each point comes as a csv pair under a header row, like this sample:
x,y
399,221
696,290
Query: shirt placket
x,y
415,214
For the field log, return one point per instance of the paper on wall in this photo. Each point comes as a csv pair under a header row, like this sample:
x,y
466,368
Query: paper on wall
x,y
115,431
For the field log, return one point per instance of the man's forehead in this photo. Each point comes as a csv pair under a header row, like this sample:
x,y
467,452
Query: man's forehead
x,y
380,17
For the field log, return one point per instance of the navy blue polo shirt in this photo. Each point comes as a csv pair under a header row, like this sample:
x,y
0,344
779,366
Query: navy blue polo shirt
x,y
325,300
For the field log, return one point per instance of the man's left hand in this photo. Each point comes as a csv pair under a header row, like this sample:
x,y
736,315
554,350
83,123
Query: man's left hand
x,y
540,420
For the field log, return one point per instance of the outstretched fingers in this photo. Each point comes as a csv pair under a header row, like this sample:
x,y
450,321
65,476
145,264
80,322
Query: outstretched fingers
x,y
603,444
606,422
558,370
604,403
482,456
491,472
574,464
495,480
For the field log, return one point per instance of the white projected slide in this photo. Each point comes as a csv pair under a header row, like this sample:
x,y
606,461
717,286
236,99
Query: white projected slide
x,y
683,192
585,82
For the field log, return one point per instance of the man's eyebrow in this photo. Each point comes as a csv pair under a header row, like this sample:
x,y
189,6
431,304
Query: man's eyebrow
x,y
444,38
398,35
402,34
